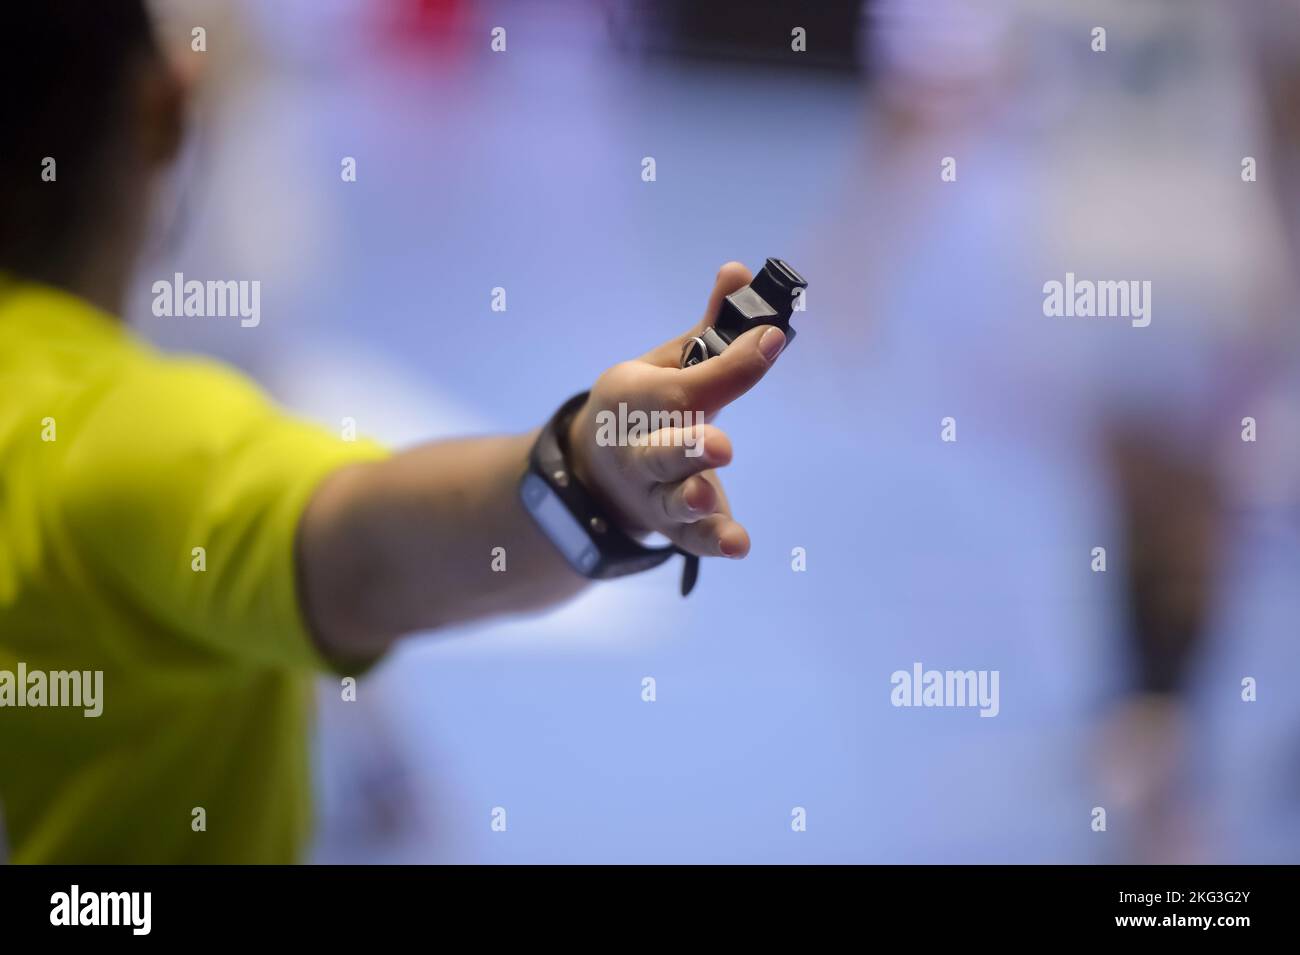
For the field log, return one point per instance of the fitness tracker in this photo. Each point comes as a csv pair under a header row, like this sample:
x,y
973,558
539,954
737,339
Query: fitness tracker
x,y
569,516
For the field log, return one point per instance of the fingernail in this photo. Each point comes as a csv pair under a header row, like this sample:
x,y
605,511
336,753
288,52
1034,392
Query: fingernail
x,y
771,343
728,550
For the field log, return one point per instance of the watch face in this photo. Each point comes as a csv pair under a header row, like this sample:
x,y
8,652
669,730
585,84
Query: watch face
x,y
558,524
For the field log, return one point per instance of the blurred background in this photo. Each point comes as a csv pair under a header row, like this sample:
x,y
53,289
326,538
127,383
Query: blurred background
x,y
522,169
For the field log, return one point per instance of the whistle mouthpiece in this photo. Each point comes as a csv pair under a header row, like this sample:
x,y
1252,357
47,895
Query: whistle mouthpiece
x,y
767,300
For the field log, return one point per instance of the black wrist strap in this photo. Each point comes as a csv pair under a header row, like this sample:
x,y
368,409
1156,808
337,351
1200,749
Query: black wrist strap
x,y
616,554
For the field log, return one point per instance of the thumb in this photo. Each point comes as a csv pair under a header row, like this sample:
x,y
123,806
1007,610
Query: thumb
x,y
712,385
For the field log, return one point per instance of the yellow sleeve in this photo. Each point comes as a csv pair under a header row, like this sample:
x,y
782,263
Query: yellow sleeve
x,y
182,488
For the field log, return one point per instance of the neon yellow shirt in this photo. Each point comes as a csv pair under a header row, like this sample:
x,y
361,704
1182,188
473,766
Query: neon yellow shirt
x,y
116,465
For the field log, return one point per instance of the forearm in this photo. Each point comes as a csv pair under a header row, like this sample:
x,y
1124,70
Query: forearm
x,y
410,543
419,541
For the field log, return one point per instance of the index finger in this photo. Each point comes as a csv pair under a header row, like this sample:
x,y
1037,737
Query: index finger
x,y
712,385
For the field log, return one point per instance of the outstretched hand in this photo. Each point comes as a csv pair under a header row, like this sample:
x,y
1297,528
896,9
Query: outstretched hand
x,y
644,444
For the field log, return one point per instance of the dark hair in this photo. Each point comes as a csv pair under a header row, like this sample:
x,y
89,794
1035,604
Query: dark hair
x,y
65,67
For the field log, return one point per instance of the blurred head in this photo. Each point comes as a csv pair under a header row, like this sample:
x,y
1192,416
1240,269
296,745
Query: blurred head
x,y
92,112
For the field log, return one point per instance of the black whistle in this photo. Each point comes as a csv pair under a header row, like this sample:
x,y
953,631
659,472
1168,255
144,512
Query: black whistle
x,y
769,299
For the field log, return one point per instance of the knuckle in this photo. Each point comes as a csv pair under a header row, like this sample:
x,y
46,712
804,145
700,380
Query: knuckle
x,y
654,463
666,506
675,397
617,376
615,381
